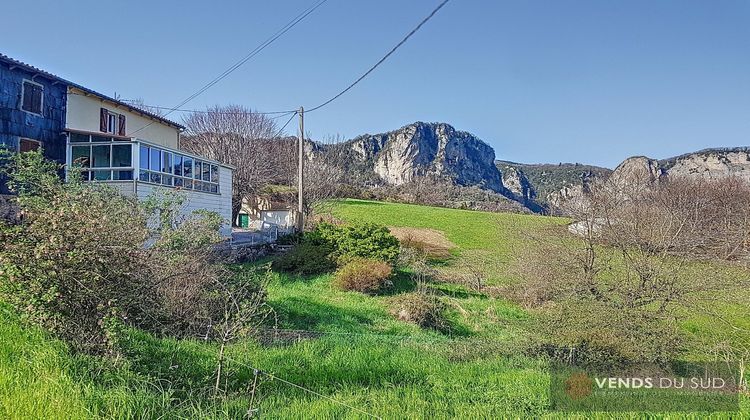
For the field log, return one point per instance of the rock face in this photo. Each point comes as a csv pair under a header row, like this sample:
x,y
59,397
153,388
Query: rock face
x,y
707,164
515,180
637,171
438,154
710,164
640,172
547,185
429,149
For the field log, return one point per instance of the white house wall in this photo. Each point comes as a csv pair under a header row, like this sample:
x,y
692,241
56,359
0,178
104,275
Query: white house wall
x,y
83,113
220,203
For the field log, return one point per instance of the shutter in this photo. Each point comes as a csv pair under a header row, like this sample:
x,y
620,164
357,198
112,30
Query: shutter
x,y
26,101
121,125
103,120
37,99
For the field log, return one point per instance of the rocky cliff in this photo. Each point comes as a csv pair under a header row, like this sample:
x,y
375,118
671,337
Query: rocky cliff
x,y
641,171
546,184
708,163
428,150
439,155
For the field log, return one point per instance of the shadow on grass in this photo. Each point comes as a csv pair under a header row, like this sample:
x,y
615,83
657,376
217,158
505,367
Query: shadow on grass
x,y
306,314
402,283
457,291
360,203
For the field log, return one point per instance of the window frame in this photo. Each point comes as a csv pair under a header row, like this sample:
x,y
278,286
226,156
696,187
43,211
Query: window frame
x,y
113,123
172,180
89,172
26,139
23,96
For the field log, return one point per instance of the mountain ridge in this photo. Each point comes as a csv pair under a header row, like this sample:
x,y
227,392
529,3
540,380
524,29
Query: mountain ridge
x,y
439,153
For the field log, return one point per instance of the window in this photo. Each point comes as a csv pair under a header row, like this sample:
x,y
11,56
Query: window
x,y
187,167
100,156
122,155
155,163
81,156
102,162
176,170
28,145
32,95
110,122
177,165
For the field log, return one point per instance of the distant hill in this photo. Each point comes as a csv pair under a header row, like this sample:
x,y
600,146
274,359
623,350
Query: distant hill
x,y
541,183
401,162
433,163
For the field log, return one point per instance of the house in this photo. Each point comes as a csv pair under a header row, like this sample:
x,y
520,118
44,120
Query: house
x,y
115,143
270,210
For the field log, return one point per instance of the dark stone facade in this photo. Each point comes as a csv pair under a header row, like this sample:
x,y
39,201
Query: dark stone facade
x,y
15,123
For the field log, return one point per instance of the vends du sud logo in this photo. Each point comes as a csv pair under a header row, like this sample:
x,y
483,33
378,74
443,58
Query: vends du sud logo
x,y
688,389
580,385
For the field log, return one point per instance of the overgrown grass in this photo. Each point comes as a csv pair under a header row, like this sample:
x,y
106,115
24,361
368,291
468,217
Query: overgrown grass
x,y
359,354
490,239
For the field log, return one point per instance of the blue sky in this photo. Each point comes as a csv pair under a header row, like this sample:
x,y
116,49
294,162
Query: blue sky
x,y
541,81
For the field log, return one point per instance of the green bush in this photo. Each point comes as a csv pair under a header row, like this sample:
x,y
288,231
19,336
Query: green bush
x,y
362,240
363,275
306,259
78,263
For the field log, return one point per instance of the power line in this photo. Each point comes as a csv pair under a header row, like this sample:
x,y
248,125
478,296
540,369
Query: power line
x,y
308,390
209,111
242,61
385,57
294,114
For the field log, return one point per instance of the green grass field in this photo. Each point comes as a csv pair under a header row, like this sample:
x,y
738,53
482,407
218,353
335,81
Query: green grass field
x,y
361,356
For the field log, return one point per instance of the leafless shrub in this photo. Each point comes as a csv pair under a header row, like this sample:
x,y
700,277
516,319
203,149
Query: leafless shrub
x,y
429,242
248,141
364,275
637,260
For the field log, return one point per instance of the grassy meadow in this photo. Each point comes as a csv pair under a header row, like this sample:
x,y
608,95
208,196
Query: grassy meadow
x,y
344,345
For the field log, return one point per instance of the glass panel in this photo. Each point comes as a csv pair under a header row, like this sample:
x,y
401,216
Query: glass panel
x,y
122,175
101,139
166,180
85,176
78,138
155,156
143,176
187,167
122,155
187,183
214,173
81,156
100,156
166,165
177,182
214,188
144,157
197,169
102,175
206,172
155,178
177,164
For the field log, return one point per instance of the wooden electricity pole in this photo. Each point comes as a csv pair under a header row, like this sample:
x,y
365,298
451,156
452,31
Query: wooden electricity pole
x,y
300,170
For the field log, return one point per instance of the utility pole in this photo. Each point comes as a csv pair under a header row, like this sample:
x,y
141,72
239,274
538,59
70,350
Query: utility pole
x,y
300,170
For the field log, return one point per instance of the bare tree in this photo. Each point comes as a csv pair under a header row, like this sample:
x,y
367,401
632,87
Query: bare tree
x,y
622,285
323,178
140,103
235,135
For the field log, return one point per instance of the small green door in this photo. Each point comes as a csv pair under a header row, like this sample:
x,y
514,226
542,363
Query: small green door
x,y
244,221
